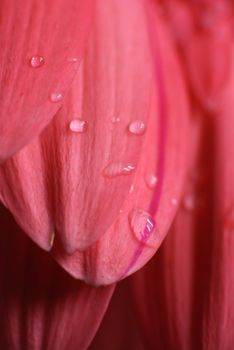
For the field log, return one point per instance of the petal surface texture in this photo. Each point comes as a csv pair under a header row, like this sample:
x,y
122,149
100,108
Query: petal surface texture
x,y
90,177
184,297
42,44
41,306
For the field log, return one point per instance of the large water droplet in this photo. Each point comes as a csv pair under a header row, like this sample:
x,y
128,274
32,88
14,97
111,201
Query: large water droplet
x,y
56,97
151,180
78,125
115,169
37,61
142,225
137,127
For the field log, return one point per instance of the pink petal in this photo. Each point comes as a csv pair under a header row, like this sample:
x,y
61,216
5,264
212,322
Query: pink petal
x,y
203,30
121,251
185,295
118,329
58,183
41,306
56,31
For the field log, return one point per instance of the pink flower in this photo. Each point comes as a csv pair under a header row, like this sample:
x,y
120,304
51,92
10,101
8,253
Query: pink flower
x,y
115,123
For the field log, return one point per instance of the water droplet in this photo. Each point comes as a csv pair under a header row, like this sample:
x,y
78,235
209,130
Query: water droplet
x,y
72,59
151,180
137,127
131,189
189,202
56,97
142,225
78,125
115,169
174,201
115,120
37,61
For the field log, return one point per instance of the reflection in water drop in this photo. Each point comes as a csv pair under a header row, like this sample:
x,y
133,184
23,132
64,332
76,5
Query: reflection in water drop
x,y
56,97
137,127
115,169
77,125
142,224
37,61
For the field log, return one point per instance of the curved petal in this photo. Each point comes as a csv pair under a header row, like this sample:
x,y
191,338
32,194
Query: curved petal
x,y
41,306
58,183
41,46
129,243
184,297
118,329
204,27
61,177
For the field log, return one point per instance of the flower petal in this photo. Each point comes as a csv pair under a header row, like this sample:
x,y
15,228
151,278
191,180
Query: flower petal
x,y
66,166
118,329
39,42
204,26
189,300
124,249
41,306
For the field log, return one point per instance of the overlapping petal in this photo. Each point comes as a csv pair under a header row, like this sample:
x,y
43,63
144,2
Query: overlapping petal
x,y
204,31
188,304
54,32
41,306
125,247
57,186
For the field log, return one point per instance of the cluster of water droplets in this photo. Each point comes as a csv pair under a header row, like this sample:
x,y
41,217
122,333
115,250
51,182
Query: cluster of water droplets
x,y
38,61
141,221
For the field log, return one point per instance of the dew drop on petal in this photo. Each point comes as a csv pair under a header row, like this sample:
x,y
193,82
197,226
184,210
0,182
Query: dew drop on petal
x,y
174,201
56,97
151,180
115,169
131,189
72,59
142,224
78,125
37,61
137,127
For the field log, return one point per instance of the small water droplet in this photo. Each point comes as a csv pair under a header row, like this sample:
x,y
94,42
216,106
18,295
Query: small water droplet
x,y
56,97
37,61
115,120
151,180
189,202
131,189
137,127
78,125
174,201
72,59
115,169
142,225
